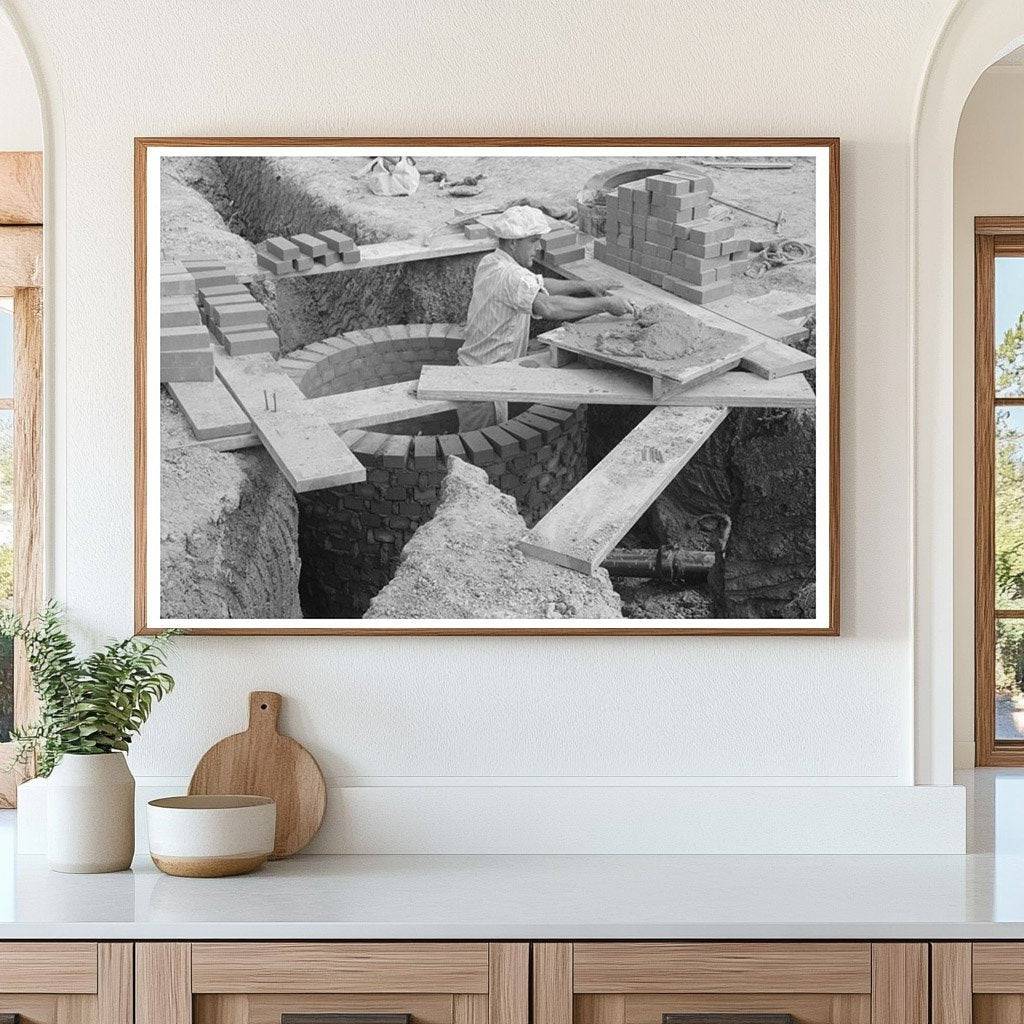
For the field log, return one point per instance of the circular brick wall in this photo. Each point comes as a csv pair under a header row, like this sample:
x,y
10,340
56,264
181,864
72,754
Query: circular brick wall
x,y
351,537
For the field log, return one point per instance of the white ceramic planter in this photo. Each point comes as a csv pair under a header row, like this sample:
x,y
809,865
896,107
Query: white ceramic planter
x,y
90,814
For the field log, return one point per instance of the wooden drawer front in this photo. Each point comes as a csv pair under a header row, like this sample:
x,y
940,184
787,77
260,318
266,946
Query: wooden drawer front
x,y
998,967
267,1009
48,967
365,967
710,967
648,1009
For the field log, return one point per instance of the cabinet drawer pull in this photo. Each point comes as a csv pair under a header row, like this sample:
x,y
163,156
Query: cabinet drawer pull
x,y
728,1018
340,1018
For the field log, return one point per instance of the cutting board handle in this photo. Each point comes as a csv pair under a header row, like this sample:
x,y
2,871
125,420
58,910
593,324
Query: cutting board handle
x,y
264,710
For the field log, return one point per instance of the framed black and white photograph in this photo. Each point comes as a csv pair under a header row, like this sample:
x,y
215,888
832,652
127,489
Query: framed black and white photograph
x,y
490,386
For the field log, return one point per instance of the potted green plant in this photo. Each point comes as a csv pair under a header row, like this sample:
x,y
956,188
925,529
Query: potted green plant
x,y
89,710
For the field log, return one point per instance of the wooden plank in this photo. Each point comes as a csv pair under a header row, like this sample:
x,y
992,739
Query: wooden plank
x,y
951,983
582,386
21,188
597,513
163,983
386,254
755,967
583,339
998,967
115,996
389,403
21,258
339,967
210,409
48,967
508,989
899,983
740,311
642,292
552,983
607,1008
307,451
788,305
775,360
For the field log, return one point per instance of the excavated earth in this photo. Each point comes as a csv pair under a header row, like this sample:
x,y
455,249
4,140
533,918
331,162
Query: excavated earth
x,y
465,564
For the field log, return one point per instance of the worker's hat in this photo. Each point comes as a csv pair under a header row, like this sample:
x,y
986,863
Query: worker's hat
x,y
517,222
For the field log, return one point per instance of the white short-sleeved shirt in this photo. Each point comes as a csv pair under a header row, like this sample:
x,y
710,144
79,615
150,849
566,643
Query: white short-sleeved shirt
x,y
498,323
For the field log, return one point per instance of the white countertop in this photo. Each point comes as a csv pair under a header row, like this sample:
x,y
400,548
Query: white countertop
x,y
980,895
532,897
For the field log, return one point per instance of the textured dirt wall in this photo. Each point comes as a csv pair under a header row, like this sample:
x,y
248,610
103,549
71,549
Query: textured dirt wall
x,y
228,532
464,564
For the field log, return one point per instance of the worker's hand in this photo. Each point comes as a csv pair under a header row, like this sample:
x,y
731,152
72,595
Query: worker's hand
x,y
618,306
602,287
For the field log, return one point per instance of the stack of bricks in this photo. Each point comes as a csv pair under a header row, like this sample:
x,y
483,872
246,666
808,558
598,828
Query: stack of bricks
x,y
186,346
300,253
236,319
560,246
657,229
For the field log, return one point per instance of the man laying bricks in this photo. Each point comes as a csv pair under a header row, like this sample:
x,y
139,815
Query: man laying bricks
x,y
506,295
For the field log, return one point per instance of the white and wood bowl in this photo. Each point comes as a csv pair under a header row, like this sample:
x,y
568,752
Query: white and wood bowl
x,y
211,836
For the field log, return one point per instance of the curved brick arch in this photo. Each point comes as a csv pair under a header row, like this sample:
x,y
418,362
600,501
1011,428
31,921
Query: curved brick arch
x,y
350,538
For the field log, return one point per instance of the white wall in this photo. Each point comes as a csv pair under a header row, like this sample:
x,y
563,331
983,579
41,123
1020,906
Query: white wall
x,y
443,713
988,181
21,125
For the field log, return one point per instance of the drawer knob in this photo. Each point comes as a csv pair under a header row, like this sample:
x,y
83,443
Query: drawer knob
x,y
342,1018
728,1018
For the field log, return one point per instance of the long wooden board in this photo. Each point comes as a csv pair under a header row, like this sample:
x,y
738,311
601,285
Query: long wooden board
x,y
642,292
582,386
385,254
307,451
389,403
596,514
740,311
210,410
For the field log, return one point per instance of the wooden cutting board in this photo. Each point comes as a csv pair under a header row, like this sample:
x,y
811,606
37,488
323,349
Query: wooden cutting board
x,y
262,762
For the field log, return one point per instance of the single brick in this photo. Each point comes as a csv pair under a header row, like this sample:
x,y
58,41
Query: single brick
x,y
193,365
238,314
707,232
660,265
351,256
172,268
217,291
245,343
184,339
424,451
735,245
552,412
179,316
477,448
693,275
282,248
476,231
213,277
177,284
505,444
546,428
560,238
395,452
302,263
336,241
699,249
698,293
310,245
559,257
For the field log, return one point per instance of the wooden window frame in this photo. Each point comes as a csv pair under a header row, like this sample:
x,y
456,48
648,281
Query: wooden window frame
x,y
21,271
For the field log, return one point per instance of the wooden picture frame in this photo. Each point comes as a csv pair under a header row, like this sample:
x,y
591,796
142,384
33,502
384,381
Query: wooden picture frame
x,y
21,266
826,620
993,237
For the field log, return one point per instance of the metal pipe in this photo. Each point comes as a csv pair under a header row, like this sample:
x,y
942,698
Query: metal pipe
x,y
660,564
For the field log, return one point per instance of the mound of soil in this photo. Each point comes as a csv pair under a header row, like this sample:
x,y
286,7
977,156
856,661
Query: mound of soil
x,y
464,564
661,332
